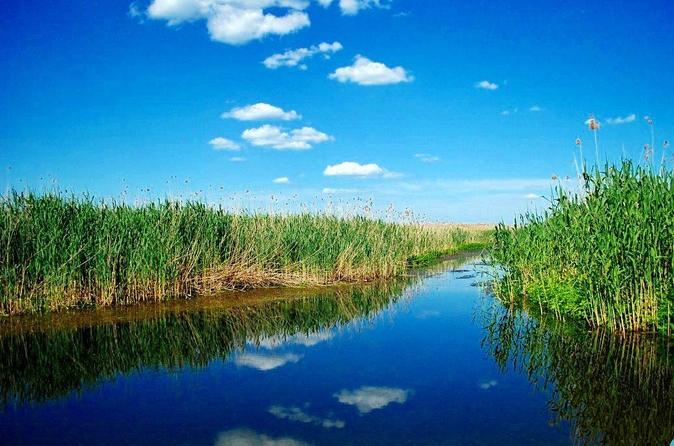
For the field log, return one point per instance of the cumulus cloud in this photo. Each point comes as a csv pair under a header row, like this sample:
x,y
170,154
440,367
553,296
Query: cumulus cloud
x,y
535,108
367,72
294,58
237,159
260,112
277,138
352,7
265,362
532,196
234,21
221,143
486,85
247,437
294,413
353,169
281,180
622,120
426,158
368,398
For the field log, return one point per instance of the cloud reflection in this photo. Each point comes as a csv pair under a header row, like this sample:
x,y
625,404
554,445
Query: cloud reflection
x,y
486,385
294,413
368,398
265,362
247,437
307,340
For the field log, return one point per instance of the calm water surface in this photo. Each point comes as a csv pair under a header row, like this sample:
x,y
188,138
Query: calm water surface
x,y
429,360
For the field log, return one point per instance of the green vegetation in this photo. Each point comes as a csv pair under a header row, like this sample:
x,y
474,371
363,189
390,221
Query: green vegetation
x,y
614,390
602,254
61,252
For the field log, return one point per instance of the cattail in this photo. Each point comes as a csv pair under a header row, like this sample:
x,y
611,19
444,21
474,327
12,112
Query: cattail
x,y
593,124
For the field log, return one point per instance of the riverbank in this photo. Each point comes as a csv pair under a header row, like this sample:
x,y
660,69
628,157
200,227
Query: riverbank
x,y
67,252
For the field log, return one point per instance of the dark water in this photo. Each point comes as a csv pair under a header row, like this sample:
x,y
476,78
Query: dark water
x,y
429,360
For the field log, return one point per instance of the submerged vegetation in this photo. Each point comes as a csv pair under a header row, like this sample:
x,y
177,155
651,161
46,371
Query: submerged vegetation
x,y
602,254
65,252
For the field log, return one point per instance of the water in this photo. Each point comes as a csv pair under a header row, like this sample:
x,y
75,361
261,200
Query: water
x,y
429,360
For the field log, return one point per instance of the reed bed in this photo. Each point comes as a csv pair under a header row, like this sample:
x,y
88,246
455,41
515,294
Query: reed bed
x,y
602,254
67,252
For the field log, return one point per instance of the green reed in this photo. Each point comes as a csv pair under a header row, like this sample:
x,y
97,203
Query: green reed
x,y
67,252
602,254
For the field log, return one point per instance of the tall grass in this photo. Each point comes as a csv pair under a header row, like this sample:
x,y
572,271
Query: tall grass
x,y
603,254
63,252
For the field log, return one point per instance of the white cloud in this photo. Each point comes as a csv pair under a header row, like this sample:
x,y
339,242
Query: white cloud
x,y
294,413
532,196
292,58
535,108
426,158
368,398
234,21
509,112
350,168
237,159
221,143
247,437
366,72
486,85
260,112
352,7
265,362
332,191
281,180
622,120
135,12
276,138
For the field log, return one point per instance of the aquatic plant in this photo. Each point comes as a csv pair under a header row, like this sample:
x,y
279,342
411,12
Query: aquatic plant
x,y
67,252
602,254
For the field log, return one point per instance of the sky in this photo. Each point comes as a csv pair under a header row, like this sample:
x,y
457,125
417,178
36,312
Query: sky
x,y
456,110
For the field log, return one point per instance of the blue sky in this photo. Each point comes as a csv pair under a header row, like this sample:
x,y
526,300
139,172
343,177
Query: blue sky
x,y
430,102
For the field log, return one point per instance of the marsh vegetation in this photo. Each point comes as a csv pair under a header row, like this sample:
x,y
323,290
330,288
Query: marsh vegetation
x,y
601,255
66,252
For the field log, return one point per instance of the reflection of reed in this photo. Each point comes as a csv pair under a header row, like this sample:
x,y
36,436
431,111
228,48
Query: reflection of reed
x,y
614,390
41,363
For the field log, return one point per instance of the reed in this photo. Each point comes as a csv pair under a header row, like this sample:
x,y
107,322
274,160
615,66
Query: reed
x,y
67,252
602,254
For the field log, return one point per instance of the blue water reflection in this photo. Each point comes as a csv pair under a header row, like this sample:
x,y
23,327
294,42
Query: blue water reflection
x,y
414,371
